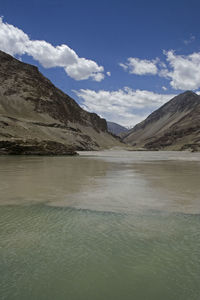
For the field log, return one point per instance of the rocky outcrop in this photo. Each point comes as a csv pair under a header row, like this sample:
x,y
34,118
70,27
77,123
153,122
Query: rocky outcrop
x,y
34,147
33,109
174,126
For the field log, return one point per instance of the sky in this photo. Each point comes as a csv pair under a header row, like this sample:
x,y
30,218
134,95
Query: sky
x,y
119,59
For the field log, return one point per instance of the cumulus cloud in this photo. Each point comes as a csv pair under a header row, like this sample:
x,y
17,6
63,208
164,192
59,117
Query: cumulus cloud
x,y
164,88
140,66
15,42
124,106
84,69
184,70
12,39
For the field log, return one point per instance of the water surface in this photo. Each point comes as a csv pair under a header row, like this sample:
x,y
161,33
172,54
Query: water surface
x,y
110,225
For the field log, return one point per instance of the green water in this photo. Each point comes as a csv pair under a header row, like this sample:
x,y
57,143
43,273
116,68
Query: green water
x,y
107,225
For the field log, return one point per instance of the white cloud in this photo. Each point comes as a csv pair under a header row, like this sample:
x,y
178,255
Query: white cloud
x,y
125,106
164,88
50,56
140,66
108,73
84,69
15,42
184,71
12,39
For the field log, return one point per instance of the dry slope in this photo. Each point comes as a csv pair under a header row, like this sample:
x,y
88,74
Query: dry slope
x,y
38,118
174,126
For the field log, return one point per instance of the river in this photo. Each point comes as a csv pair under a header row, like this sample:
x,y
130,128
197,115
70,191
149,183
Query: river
x,y
108,225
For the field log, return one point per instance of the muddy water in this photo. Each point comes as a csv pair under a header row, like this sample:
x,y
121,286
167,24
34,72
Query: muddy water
x,y
105,225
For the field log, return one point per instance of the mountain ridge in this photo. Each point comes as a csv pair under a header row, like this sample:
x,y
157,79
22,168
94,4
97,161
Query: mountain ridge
x,y
173,126
116,128
33,110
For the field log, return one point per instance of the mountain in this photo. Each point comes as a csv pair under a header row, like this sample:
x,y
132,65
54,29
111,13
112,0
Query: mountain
x,y
174,126
116,128
38,118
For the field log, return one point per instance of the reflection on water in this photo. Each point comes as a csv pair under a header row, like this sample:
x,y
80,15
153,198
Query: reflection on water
x,y
44,179
104,225
106,181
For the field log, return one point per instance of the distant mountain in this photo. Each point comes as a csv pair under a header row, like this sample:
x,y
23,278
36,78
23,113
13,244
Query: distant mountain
x,y
38,118
116,128
174,126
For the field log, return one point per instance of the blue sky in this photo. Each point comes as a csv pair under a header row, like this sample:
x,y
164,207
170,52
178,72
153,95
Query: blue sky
x,y
121,59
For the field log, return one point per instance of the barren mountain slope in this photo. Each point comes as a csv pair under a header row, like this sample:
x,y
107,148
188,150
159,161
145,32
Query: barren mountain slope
x,y
35,115
174,126
116,128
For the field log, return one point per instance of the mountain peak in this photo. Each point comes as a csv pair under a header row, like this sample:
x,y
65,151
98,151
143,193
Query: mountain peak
x,y
175,125
188,93
186,100
115,128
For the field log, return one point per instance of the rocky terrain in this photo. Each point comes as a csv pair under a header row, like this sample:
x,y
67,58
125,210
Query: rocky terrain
x,y
38,118
174,126
116,128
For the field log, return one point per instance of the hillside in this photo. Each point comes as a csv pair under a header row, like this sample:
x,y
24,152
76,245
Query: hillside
x,y
116,128
174,126
38,118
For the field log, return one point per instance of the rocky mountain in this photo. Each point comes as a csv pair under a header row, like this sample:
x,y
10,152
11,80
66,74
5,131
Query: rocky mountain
x,y
116,128
174,126
38,118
